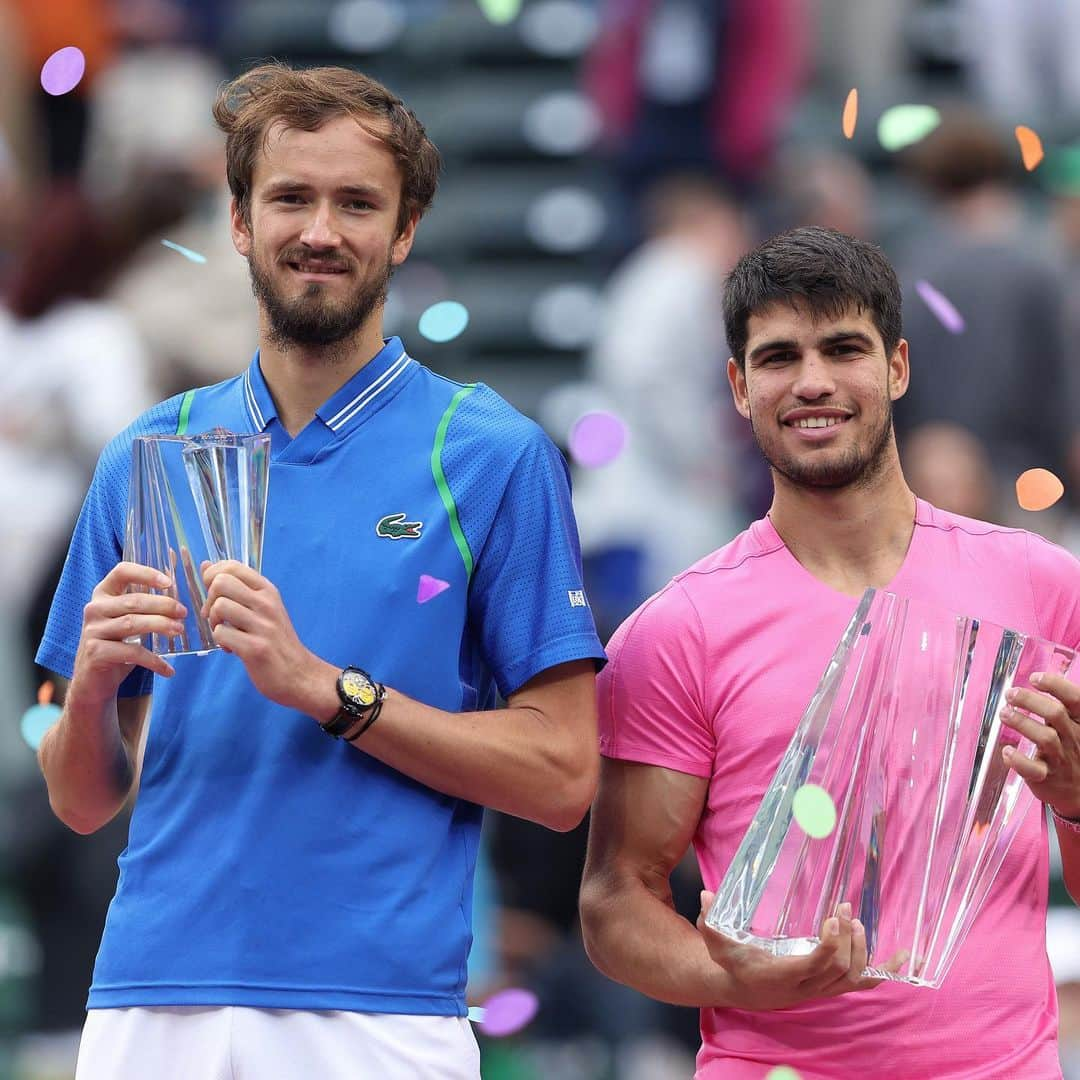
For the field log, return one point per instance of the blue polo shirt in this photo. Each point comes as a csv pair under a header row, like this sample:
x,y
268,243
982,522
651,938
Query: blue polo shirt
x,y
269,865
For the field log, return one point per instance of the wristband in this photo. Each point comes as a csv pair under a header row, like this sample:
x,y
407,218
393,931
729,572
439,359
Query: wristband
x,y
1072,824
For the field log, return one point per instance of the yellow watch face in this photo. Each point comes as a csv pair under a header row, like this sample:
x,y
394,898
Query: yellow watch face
x,y
359,689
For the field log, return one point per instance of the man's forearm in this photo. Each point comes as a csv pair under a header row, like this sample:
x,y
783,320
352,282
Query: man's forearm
x,y
86,765
512,760
635,938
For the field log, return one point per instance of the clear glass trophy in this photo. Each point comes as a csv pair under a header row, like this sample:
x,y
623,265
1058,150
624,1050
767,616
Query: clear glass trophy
x,y
193,498
904,734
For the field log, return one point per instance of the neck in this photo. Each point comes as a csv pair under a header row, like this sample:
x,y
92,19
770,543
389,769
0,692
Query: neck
x,y
851,538
301,377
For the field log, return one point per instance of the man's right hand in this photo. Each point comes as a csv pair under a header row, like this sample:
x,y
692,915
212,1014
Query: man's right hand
x,y
114,615
763,982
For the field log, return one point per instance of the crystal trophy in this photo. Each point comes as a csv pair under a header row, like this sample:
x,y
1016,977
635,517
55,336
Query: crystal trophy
x,y
904,735
193,498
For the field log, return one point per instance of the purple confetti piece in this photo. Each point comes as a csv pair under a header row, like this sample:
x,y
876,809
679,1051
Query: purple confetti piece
x,y
941,306
508,1011
61,73
597,439
430,587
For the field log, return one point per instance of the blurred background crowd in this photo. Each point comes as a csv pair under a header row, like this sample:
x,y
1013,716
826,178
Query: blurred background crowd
x,y
606,162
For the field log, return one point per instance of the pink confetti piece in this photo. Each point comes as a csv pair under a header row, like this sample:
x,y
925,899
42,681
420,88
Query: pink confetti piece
x,y
508,1011
941,306
429,588
62,72
597,439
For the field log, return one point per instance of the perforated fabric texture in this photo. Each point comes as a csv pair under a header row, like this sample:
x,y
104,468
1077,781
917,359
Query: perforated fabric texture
x,y
512,489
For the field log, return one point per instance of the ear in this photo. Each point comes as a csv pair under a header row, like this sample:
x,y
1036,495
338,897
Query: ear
x,y
404,242
240,230
899,371
737,380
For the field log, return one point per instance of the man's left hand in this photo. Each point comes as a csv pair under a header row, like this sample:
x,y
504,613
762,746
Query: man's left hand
x,y
248,618
1053,774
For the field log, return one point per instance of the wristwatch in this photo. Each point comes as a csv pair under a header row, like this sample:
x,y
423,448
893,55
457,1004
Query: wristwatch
x,y
361,698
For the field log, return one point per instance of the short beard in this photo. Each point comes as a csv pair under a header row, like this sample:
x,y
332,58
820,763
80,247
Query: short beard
x,y
854,469
307,322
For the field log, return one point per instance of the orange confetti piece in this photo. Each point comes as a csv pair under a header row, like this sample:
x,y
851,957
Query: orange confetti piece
x,y
1031,147
1038,489
45,693
851,113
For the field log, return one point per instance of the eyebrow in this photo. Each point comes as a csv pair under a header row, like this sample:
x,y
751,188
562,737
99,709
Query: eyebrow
x,y
779,344
289,184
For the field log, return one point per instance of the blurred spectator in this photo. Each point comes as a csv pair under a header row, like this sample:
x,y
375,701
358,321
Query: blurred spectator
x,y
1022,58
1004,378
823,187
696,84
658,364
196,320
949,467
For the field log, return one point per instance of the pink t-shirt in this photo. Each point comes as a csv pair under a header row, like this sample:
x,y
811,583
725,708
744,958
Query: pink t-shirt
x,y
711,677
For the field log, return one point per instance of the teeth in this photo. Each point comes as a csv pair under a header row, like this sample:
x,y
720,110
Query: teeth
x,y
820,421
318,269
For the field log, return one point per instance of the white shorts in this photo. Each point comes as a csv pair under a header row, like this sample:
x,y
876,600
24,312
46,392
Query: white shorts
x,y
233,1043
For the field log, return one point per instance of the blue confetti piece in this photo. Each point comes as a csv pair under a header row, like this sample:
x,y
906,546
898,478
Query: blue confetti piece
x,y
194,256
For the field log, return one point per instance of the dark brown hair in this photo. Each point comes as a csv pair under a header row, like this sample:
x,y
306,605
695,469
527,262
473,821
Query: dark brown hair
x,y
826,270
248,106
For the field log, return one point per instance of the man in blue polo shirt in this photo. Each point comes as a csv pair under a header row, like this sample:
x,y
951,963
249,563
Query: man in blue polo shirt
x,y
290,903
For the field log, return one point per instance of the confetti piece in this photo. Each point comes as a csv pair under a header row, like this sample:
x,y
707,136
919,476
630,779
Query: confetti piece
x,y
597,439
62,72
508,1011
941,306
429,588
476,1014
194,256
1038,489
851,113
500,11
814,811
443,321
40,717
1031,147
782,1072
903,125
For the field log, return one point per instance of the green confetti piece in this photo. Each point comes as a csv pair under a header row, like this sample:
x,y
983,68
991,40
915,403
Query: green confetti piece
x,y
782,1072
500,11
814,811
903,125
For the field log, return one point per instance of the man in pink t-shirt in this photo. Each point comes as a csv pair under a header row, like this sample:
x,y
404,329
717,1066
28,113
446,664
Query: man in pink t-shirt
x,y
708,680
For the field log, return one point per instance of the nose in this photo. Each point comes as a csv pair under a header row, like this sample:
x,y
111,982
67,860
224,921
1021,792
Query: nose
x,y
814,378
319,229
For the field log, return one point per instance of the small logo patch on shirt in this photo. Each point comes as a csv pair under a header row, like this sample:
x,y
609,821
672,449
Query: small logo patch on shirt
x,y
395,527
577,598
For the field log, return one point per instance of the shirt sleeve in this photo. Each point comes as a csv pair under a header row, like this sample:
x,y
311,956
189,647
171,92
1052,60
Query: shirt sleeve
x,y
527,603
96,547
650,696
1055,587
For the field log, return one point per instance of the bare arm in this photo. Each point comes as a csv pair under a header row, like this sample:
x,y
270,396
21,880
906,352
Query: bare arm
x,y
643,821
90,755
536,759
642,824
89,760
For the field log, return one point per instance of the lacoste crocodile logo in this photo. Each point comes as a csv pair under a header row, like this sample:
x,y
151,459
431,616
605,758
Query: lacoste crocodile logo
x,y
396,527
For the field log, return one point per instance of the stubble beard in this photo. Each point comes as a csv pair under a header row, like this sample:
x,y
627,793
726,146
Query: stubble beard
x,y
313,319
853,468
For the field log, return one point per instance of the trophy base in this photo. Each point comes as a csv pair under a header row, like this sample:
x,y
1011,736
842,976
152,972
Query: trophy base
x,y
803,946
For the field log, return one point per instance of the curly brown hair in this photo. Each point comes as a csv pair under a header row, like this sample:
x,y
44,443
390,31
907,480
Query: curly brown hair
x,y
248,106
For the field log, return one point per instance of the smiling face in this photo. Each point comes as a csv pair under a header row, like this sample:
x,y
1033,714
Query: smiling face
x,y
320,237
818,392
